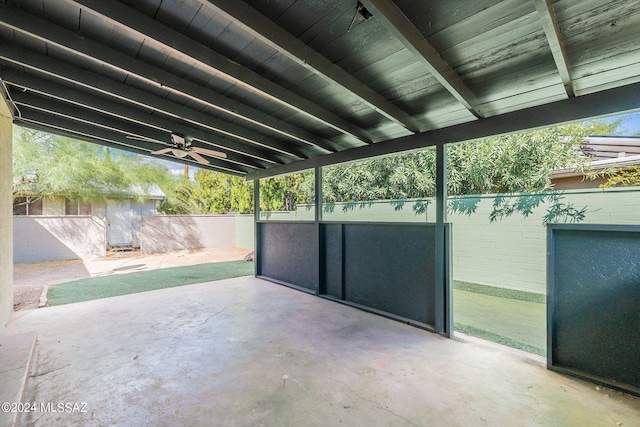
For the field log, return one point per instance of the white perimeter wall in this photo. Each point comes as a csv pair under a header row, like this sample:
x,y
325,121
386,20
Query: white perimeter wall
x,y
48,238
176,232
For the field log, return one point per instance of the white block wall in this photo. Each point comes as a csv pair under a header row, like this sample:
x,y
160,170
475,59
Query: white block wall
x,y
48,238
176,232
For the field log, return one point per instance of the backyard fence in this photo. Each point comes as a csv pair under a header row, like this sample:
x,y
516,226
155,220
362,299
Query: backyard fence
x,y
49,238
509,252
165,233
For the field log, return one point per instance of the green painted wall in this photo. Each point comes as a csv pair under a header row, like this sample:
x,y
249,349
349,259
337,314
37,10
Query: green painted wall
x,y
508,253
245,231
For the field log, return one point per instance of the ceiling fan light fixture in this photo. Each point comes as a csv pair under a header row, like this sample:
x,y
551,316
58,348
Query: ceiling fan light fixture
x,y
179,153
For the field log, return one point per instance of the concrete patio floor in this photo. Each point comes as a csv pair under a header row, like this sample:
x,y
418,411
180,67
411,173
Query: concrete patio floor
x,y
246,352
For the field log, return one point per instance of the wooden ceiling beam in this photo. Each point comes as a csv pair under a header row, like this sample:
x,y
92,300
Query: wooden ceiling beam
x,y
43,30
112,89
397,23
25,82
293,48
86,132
130,130
554,37
185,48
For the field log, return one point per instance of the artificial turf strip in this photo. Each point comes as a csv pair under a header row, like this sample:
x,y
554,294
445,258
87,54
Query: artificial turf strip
x,y
492,336
123,284
500,292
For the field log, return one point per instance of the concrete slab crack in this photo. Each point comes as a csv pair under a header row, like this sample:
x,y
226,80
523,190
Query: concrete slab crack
x,y
376,404
50,371
220,311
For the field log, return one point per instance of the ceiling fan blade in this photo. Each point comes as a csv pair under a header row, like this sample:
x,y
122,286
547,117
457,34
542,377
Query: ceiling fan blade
x,y
208,152
198,157
163,151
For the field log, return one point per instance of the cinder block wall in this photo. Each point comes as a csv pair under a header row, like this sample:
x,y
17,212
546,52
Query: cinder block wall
x,y
176,232
511,252
508,253
48,238
245,232
6,215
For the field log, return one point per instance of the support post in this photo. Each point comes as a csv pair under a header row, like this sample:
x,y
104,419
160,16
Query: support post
x,y
258,235
442,292
321,289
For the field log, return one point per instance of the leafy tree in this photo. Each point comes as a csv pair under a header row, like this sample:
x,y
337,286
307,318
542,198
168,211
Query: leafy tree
x,y
179,199
518,162
283,193
210,192
622,178
51,165
514,163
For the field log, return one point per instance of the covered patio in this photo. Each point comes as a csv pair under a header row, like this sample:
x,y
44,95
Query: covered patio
x,y
265,88
245,352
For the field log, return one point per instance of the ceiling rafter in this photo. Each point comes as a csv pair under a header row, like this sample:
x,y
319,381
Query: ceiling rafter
x,y
273,35
87,132
43,30
610,101
103,127
397,23
554,37
182,46
111,88
84,115
88,101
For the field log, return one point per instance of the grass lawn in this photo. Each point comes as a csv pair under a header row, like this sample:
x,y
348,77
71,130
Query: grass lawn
x,y
123,284
513,318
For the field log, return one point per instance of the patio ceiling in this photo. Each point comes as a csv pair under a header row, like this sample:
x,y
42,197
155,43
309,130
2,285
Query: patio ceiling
x,y
285,85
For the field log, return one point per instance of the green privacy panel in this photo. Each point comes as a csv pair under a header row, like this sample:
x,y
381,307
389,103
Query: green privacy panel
x,y
391,267
594,303
289,254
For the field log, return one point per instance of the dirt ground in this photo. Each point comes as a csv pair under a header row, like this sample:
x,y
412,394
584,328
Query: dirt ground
x,y
32,280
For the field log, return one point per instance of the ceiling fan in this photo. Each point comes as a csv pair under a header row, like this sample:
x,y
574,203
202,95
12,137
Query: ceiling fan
x,y
181,147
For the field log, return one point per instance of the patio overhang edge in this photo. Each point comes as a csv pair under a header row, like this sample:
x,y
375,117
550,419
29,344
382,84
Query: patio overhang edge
x,y
611,101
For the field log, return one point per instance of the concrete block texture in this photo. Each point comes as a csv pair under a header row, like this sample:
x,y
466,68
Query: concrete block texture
x,y
509,252
48,238
178,232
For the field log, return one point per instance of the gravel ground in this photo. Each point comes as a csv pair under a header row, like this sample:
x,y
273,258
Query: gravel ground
x,y
26,297
30,279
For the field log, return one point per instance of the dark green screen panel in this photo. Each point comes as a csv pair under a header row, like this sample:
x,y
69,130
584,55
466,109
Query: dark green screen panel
x,y
391,267
594,303
288,253
333,244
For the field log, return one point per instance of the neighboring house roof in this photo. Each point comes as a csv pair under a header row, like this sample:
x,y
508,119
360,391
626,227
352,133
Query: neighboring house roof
x,y
617,152
151,192
607,147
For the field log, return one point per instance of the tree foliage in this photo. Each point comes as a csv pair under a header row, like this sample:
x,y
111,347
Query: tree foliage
x,y
622,178
51,165
215,192
518,162
514,163
210,192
